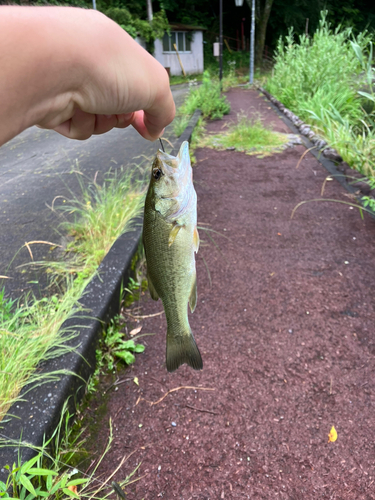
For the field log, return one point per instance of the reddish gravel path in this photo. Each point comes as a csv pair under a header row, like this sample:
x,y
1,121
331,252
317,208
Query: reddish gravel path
x,y
286,331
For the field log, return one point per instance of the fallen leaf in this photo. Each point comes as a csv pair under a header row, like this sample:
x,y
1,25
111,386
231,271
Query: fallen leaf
x,y
136,380
332,436
135,331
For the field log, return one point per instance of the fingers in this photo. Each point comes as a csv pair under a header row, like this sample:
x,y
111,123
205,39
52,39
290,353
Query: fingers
x,y
143,126
83,125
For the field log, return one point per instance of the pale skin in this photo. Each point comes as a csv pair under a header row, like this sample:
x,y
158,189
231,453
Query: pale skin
x,y
79,73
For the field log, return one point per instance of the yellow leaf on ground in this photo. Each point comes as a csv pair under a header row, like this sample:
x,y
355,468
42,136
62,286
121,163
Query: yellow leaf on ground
x,y
332,436
135,331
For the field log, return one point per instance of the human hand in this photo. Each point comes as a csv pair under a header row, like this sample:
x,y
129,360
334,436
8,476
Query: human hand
x,y
95,76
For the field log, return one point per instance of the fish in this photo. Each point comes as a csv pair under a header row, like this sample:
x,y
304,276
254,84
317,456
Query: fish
x,y
171,240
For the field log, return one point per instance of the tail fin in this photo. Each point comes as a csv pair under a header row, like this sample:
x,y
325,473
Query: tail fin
x,y
183,349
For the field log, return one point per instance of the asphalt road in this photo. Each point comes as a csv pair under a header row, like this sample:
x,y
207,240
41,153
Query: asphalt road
x,y
39,165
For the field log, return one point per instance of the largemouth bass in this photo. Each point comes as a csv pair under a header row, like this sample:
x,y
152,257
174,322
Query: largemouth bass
x,y
170,239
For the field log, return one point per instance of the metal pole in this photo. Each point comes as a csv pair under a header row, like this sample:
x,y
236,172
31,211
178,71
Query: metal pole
x,y
149,11
252,33
221,43
94,4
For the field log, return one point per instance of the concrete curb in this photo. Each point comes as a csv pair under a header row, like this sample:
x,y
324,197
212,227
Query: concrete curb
x,y
35,418
351,179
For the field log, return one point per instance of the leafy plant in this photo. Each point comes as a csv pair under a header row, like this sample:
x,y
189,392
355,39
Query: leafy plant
x,y
342,109
131,23
6,307
114,347
369,201
207,98
49,474
49,484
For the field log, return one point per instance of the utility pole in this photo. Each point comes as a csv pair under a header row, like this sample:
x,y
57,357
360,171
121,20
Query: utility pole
x,y
221,42
94,4
252,33
149,10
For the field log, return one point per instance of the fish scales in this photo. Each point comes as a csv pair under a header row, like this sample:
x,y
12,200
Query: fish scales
x,y
171,239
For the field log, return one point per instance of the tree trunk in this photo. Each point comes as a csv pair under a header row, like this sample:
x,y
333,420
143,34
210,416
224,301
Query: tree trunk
x,y
263,10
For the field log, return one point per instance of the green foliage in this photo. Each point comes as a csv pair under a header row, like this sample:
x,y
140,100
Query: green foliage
x,y
99,218
328,81
49,474
191,79
240,60
249,136
30,329
6,308
207,97
47,483
193,12
131,23
369,201
306,73
114,347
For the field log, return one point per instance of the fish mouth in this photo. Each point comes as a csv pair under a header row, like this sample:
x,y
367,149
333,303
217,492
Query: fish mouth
x,y
172,163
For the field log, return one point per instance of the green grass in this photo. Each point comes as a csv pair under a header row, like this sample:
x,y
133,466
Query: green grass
x,y
177,79
30,330
53,475
248,136
207,97
328,81
100,217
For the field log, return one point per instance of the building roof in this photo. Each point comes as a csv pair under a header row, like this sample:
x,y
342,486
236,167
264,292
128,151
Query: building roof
x,y
186,27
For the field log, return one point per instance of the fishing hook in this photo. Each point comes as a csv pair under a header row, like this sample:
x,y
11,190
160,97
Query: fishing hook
x,y
162,147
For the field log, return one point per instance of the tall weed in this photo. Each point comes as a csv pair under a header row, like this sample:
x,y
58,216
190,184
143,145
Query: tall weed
x,y
315,72
30,329
328,81
207,97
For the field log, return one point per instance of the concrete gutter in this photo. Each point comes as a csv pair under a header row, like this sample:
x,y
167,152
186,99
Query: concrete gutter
x,y
35,418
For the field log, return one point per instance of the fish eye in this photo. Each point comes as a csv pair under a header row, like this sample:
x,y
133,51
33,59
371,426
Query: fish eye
x,y
157,173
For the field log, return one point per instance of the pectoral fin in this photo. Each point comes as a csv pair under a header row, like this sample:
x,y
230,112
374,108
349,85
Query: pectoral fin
x,y
193,295
172,235
153,292
196,239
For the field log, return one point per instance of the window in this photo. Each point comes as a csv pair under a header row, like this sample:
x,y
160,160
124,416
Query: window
x,y
182,39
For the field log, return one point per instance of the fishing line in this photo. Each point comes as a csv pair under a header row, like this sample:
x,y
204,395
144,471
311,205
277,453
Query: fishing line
x,y
115,486
161,144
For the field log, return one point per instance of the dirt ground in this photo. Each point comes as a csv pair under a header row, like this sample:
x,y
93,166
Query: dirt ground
x,y
286,332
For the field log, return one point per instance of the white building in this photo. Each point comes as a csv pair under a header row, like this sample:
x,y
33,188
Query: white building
x,y
189,43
